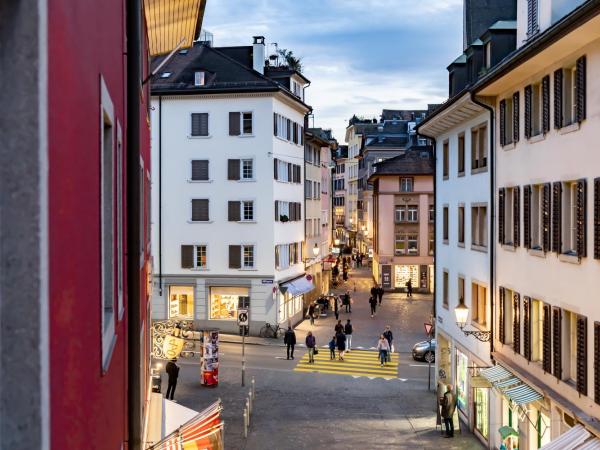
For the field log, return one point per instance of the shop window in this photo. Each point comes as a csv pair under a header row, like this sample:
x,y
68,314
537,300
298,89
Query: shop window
x,y
461,225
181,302
224,302
479,238
479,304
461,154
482,411
405,272
462,375
431,244
445,289
479,147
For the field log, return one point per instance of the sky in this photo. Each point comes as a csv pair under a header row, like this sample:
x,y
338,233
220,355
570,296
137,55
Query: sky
x,y
361,55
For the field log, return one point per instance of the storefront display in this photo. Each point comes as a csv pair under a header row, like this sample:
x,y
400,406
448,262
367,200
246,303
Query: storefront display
x,y
403,273
224,302
181,302
462,374
481,404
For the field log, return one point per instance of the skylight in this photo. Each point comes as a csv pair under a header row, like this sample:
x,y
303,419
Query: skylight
x,y
165,74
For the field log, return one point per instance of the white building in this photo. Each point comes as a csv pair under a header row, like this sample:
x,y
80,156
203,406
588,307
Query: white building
x,y
228,194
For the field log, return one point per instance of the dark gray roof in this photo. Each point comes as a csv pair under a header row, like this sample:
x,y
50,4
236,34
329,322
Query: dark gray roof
x,y
418,160
386,141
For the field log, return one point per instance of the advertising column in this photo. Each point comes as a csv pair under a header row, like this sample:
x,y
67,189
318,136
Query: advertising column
x,y
209,361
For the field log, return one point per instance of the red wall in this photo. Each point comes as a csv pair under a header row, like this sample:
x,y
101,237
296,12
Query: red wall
x,y
85,40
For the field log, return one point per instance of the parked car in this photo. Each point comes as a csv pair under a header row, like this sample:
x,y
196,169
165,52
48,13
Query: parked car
x,y
422,351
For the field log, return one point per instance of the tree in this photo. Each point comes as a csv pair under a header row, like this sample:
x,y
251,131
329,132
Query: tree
x,y
291,61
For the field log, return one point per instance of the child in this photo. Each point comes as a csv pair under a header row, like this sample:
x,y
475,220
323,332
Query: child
x,y
332,348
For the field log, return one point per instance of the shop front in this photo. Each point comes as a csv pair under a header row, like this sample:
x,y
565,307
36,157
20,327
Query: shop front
x,y
181,302
224,302
290,298
420,276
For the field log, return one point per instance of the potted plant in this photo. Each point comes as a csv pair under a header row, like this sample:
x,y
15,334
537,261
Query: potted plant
x,y
284,218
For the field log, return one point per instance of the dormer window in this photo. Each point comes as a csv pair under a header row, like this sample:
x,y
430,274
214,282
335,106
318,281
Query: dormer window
x,y
165,74
199,78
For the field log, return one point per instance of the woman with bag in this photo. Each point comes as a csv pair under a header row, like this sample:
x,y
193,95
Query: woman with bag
x,y
384,347
311,344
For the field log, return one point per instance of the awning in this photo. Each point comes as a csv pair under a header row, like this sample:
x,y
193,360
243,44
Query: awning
x,y
297,286
515,389
171,22
577,438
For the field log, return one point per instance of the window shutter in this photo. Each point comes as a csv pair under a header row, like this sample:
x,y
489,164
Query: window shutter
x,y
295,133
546,104
233,209
546,217
274,124
558,95
515,117
235,256
199,124
299,211
200,209
597,218
547,340
276,211
527,216
528,111
275,161
277,256
301,135
517,322
557,341
502,122
556,216
516,216
580,215
200,170
187,256
501,327
233,169
292,212
527,304
580,82
290,172
501,194
234,124
582,355
289,130
532,17
597,362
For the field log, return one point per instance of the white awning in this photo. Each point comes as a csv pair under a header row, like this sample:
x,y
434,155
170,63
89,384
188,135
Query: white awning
x,y
577,438
175,415
297,286
515,389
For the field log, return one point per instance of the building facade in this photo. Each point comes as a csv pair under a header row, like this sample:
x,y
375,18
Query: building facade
x,y
340,197
229,224
402,221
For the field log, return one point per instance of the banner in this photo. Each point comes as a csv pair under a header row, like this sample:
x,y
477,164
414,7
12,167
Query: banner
x,y
172,346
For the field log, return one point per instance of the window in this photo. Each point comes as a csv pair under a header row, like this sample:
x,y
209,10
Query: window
x,y
199,170
247,123
537,330
412,214
413,246
199,124
461,288
287,172
308,189
479,236
338,201
165,74
536,108
224,302
479,147
461,225
248,210
120,221
446,160
479,304
445,289
509,216
247,169
181,302
247,256
445,225
569,339
193,256
406,184
488,55
538,217
432,213
506,121
573,218
431,243
199,78
406,244
569,94
461,154
200,210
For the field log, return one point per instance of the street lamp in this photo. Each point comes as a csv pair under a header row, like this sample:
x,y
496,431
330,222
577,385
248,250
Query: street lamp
x,y
462,313
316,250
336,242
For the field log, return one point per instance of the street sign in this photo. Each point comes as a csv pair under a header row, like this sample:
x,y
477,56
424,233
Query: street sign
x,y
266,281
242,317
428,328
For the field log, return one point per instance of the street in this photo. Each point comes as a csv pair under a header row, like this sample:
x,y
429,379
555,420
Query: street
x,y
330,405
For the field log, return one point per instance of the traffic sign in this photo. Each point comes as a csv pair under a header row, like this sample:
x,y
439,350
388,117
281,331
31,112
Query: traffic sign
x,y
428,328
242,317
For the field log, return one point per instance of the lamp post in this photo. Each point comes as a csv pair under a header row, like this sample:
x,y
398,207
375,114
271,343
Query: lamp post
x,y
316,250
462,314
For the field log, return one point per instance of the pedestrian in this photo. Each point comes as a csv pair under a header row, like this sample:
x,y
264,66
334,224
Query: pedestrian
x,y
311,343
311,313
336,310
173,372
340,340
387,334
380,294
384,347
373,303
339,328
374,291
348,329
332,348
409,288
289,339
448,405
347,302
345,273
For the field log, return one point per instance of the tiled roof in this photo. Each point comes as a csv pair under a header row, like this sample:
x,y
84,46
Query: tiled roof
x,y
417,160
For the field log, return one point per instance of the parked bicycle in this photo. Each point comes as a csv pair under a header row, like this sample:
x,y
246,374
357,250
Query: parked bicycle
x,y
270,331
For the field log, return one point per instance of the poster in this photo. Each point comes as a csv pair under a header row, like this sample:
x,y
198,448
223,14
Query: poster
x,y
386,276
209,362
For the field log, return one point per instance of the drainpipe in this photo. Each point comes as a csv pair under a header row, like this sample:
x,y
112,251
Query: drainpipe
x,y
491,216
134,244
160,283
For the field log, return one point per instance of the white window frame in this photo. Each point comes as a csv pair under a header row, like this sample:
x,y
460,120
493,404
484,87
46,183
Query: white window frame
x,y
412,213
243,212
412,251
508,121
242,177
243,262
195,259
407,184
569,218
536,109
199,78
479,230
242,113
536,231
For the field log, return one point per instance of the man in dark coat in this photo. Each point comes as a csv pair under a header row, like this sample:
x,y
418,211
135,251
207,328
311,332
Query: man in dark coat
x,y
289,339
380,294
373,303
387,334
409,288
374,291
448,403
173,373
340,340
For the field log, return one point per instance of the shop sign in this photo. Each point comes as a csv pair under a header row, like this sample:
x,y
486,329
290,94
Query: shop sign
x,y
172,347
386,276
266,281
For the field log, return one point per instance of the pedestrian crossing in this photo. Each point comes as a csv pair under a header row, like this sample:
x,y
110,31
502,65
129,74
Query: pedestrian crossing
x,y
357,363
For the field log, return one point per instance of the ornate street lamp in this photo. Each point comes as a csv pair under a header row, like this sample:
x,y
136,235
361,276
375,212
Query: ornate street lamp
x,y
462,314
316,250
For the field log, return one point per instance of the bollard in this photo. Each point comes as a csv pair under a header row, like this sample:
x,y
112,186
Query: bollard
x,y
253,389
245,424
248,409
250,399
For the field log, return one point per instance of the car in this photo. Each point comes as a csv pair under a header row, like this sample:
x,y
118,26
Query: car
x,y
422,351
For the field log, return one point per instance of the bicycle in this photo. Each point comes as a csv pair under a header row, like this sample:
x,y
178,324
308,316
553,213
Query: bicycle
x,y
270,331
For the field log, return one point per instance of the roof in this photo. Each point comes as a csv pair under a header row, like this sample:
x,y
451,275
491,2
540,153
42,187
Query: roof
x,y
224,71
418,160
504,25
386,141
402,114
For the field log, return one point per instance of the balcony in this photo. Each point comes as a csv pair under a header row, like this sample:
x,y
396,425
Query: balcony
x,y
340,220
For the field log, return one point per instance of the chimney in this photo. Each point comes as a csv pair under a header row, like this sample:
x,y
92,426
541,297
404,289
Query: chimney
x,y
258,54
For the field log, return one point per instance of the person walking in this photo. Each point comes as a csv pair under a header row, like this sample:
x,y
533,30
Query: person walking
x,y
374,291
387,334
311,313
380,294
340,340
409,288
332,348
347,302
384,347
448,403
348,329
336,307
345,273
339,328
173,373
373,303
289,339
311,343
